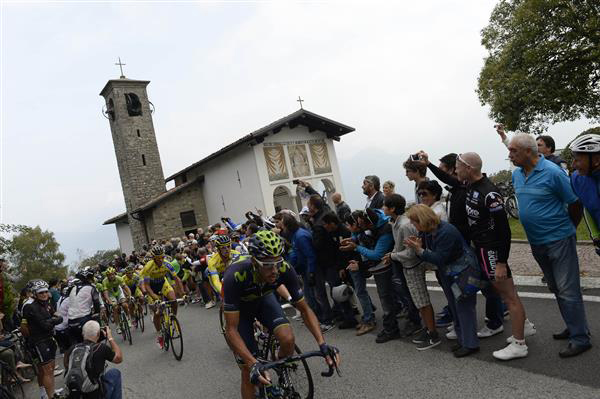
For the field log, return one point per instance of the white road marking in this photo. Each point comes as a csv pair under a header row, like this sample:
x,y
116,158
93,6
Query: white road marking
x,y
522,294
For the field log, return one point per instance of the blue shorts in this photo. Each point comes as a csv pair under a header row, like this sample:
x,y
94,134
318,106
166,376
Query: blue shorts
x,y
267,310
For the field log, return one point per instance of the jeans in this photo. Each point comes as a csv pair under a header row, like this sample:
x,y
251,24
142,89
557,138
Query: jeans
x,y
402,294
385,290
463,313
112,384
560,265
360,287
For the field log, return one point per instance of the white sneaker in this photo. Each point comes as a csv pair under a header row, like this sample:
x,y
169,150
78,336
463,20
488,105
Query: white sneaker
x,y
528,331
488,332
209,305
512,351
451,335
450,327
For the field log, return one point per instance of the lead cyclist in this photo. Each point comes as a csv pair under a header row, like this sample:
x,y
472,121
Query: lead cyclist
x,y
248,288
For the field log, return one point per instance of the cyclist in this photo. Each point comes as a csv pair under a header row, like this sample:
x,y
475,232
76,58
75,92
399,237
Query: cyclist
x,y
114,286
248,287
132,281
84,302
155,277
586,180
219,261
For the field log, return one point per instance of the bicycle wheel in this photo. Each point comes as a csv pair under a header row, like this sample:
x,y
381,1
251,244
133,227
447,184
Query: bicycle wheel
x,y
140,317
295,379
125,330
176,338
165,332
512,208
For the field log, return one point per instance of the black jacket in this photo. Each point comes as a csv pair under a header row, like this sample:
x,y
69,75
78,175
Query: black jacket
x,y
40,321
376,202
342,210
457,212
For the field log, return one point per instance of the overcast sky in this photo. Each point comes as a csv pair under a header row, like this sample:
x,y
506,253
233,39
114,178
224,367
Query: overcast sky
x,y
403,75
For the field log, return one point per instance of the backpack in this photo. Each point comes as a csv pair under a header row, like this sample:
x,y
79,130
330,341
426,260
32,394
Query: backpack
x,y
77,379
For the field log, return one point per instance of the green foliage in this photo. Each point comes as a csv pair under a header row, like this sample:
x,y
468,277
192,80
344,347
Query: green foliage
x,y
99,257
567,154
35,254
502,176
543,63
518,232
6,248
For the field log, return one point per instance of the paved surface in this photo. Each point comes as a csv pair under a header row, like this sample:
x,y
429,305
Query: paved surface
x,y
370,370
522,262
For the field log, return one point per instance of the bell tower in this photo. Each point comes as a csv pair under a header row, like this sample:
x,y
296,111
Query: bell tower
x,y
130,116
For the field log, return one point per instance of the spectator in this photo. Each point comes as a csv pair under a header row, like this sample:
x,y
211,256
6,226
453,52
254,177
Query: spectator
x,y
317,209
54,292
342,210
40,325
413,270
545,144
109,381
304,260
61,330
491,236
455,207
430,194
586,180
543,192
388,188
416,171
359,277
337,263
370,188
374,241
442,244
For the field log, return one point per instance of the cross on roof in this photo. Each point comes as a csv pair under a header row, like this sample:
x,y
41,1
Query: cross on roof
x,y
120,64
300,101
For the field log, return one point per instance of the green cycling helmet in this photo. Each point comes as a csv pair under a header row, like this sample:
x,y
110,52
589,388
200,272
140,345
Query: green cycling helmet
x,y
265,244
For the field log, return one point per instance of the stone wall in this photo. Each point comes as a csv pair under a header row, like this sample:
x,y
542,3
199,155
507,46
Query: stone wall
x,y
166,220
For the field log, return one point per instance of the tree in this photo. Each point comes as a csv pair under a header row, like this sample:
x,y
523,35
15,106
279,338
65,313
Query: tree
x,y
35,255
543,63
567,154
6,248
502,176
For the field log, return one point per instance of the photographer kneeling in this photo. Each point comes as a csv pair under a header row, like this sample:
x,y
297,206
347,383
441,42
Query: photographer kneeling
x,y
85,373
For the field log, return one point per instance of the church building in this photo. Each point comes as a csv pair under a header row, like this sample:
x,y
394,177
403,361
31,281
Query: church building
x,y
256,172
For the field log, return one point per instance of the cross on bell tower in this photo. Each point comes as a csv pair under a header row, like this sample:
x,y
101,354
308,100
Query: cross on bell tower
x,y
120,64
300,100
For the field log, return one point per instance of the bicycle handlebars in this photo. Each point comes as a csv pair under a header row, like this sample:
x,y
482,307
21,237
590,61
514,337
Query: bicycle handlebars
x,y
300,357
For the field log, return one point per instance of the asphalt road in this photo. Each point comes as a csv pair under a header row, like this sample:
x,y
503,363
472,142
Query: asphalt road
x,y
369,370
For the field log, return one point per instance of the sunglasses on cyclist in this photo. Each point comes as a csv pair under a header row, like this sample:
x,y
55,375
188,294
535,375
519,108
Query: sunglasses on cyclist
x,y
269,265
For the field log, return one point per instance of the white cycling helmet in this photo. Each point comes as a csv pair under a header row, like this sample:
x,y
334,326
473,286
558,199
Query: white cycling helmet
x,y
586,143
341,293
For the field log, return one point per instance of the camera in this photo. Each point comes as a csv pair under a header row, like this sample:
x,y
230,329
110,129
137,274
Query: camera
x,y
414,157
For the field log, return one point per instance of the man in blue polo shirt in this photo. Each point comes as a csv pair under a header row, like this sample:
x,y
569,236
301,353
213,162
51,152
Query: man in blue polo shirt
x,y
544,193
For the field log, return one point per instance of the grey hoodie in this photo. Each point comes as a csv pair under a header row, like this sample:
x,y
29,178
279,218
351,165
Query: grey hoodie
x,y
402,228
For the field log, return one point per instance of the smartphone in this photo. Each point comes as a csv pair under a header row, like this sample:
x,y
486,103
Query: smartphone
x,y
296,181
414,157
